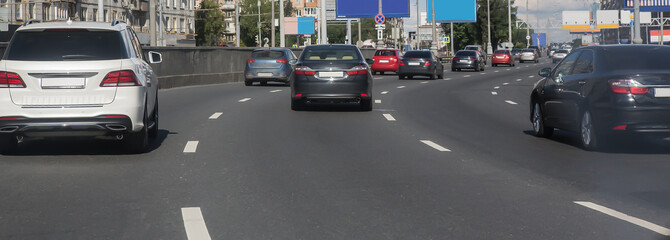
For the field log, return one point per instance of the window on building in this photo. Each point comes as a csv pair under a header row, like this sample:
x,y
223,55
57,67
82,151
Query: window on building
x,y
310,11
95,15
309,1
298,13
46,10
84,13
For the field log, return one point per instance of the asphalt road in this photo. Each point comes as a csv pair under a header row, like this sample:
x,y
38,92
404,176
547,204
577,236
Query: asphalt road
x,y
435,159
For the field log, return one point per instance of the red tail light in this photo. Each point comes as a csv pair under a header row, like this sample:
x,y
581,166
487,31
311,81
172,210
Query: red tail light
x,y
282,60
115,116
364,94
9,118
124,78
619,127
455,59
11,80
473,59
304,71
627,86
427,64
400,63
251,60
298,95
360,70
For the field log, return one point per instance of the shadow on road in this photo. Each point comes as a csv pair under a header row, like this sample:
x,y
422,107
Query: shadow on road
x,y
629,144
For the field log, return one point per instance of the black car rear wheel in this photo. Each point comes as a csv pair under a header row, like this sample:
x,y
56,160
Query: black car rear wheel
x,y
297,105
366,105
401,76
8,144
433,76
247,83
589,137
539,129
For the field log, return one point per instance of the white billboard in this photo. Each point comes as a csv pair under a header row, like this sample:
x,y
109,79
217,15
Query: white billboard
x,y
576,19
627,17
607,19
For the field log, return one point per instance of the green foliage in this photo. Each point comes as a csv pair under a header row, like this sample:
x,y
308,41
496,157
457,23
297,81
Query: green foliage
x,y
209,24
249,21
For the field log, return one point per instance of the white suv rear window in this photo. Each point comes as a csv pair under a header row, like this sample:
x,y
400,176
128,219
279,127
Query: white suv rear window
x,y
66,45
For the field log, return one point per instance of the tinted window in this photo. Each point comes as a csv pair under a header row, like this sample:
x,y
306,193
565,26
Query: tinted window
x,y
385,53
565,67
417,54
472,48
636,58
584,63
66,46
465,53
528,50
267,54
329,53
562,51
500,52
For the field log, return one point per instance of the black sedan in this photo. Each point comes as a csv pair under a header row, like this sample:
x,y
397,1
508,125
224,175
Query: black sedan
x,y
420,63
599,93
331,73
467,59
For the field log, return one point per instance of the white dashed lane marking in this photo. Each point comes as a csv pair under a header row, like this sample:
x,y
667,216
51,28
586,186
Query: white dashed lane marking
x,y
494,93
435,146
505,84
388,117
511,102
216,115
496,87
385,92
519,80
497,71
378,101
507,69
447,79
194,224
424,82
401,86
482,74
274,91
466,76
191,146
531,76
625,217
244,99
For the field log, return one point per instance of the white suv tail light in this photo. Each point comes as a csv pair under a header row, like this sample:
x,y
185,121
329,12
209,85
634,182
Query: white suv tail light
x,y
11,80
124,78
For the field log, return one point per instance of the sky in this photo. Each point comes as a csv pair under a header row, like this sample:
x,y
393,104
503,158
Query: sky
x,y
548,10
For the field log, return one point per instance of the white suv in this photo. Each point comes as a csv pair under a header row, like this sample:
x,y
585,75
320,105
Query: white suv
x,y
81,79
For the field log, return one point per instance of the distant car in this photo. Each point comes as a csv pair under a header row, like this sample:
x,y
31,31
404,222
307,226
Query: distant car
x,y
538,51
467,59
331,73
386,60
502,57
421,63
479,50
559,55
600,93
269,65
528,55
568,47
516,52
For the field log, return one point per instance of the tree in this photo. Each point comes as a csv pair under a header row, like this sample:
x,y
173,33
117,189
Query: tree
x,y
209,24
249,21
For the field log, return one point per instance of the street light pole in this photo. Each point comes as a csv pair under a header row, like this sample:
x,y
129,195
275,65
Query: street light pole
x,y
282,36
418,22
260,39
527,26
237,23
509,21
433,45
489,48
638,38
272,23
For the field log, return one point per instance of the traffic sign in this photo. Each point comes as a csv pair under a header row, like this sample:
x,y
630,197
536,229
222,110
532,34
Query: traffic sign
x,y
380,19
446,40
527,37
294,45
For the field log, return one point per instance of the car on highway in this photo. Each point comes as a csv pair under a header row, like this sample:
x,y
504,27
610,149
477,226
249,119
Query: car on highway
x,y
332,73
78,79
386,60
516,52
599,93
538,50
502,57
559,55
420,63
269,65
467,59
479,50
528,55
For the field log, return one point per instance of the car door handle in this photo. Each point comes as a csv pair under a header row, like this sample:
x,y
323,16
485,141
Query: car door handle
x,y
558,90
582,82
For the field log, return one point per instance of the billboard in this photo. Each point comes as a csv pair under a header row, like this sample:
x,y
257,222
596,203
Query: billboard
x,y
627,17
655,36
539,40
649,5
370,8
306,25
452,11
576,19
607,19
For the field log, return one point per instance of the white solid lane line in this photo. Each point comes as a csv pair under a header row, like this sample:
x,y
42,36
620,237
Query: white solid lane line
x,y
244,99
194,224
496,87
494,93
191,146
378,101
216,115
401,86
389,117
511,102
435,145
274,91
622,216
385,92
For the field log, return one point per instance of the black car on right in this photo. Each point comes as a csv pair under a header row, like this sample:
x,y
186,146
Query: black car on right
x,y
604,91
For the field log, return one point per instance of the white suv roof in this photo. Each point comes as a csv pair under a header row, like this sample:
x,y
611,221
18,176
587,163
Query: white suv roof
x,y
72,24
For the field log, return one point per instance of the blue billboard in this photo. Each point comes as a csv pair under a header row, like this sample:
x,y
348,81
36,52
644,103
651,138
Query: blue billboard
x,y
306,25
452,11
370,8
540,40
649,5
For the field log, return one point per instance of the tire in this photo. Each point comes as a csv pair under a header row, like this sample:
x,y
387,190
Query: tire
x,y
539,129
297,105
287,84
137,142
482,68
366,105
433,76
410,76
248,83
494,65
453,69
8,144
401,77
589,138
153,132
440,76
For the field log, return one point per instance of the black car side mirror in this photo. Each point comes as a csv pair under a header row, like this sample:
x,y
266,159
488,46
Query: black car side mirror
x,y
545,72
369,61
293,61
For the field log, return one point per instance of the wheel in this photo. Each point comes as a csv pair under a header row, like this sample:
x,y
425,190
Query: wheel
x,y
440,76
401,76
153,131
288,84
453,69
410,76
494,65
297,105
374,73
137,142
483,68
248,83
539,129
433,75
589,138
366,105
8,144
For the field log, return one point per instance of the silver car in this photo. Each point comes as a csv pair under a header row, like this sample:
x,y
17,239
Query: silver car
x,y
528,55
559,55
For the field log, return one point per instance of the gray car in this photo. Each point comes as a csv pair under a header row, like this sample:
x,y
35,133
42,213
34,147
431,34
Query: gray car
x,y
332,74
269,65
559,55
528,55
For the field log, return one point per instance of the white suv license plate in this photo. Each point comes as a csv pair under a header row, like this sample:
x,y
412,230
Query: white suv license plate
x,y
331,74
72,83
662,92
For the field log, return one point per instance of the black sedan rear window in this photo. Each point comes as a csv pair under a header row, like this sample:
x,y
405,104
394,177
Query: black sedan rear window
x,y
466,53
330,53
636,58
267,54
66,45
417,54
385,53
